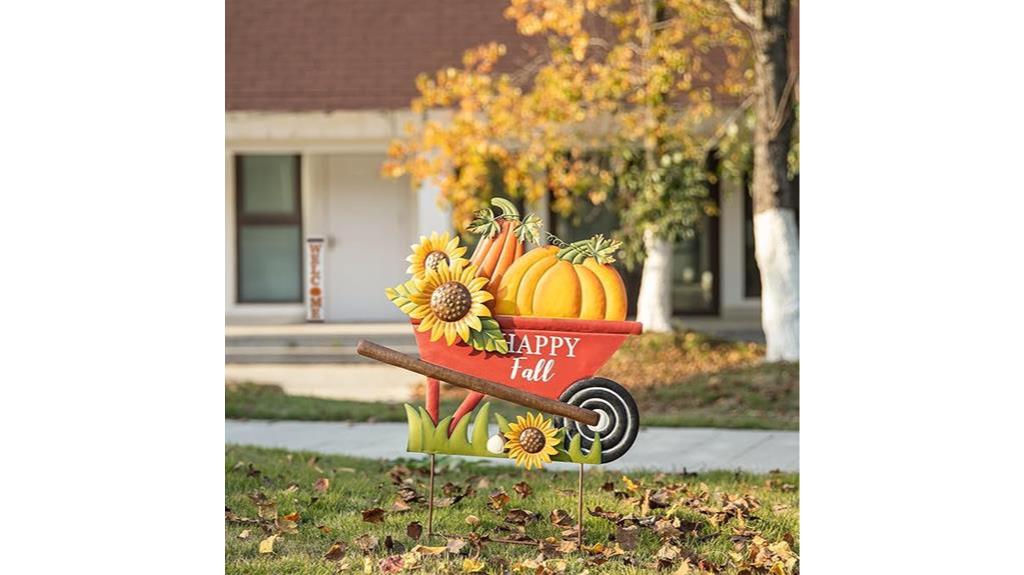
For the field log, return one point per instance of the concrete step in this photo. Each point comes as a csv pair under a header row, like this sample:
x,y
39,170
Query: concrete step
x,y
309,348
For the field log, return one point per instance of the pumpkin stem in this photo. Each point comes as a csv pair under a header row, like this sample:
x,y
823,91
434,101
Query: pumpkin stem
x,y
487,222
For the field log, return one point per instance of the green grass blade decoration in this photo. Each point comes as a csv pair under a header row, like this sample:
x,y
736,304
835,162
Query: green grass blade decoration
x,y
440,441
415,430
480,435
502,422
458,441
594,457
427,429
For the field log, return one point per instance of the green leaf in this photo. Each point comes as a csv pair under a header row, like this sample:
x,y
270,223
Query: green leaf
x,y
399,295
489,337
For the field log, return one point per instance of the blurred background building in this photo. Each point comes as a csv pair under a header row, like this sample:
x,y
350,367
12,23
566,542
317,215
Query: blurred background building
x,y
315,90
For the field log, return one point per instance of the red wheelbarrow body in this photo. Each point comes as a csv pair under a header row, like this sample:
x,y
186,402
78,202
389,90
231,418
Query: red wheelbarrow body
x,y
546,356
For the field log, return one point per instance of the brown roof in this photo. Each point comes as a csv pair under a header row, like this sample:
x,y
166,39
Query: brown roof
x,y
312,55
296,55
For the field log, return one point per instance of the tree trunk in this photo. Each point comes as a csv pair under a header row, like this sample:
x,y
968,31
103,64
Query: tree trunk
x,y
776,244
654,304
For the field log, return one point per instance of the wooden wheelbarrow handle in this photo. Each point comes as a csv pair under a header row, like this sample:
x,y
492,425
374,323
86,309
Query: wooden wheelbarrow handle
x,y
473,383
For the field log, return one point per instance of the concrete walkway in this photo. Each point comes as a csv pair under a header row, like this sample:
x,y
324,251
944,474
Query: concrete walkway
x,y
359,382
656,448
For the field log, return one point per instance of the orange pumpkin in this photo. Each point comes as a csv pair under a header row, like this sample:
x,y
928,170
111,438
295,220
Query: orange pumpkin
x,y
503,240
575,281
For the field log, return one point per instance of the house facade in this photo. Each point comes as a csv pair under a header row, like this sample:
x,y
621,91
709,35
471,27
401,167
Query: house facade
x,y
315,91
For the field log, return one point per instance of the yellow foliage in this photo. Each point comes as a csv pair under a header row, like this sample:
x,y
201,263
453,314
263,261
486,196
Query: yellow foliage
x,y
608,79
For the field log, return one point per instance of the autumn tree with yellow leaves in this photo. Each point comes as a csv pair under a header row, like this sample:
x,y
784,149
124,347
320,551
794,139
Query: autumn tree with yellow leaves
x,y
623,105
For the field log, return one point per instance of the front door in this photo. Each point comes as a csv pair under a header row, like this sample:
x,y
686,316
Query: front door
x,y
370,228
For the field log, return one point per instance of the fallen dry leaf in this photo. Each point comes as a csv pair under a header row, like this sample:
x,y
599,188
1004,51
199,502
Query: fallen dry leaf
x,y
324,529
630,485
523,488
473,565
267,545
366,542
244,534
561,518
568,546
612,516
375,515
391,564
266,508
425,550
294,516
456,545
321,485
667,555
414,530
626,536
499,499
285,526
336,552
472,520
519,516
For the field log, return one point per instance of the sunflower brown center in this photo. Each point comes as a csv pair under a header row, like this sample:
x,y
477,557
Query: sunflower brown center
x,y
451,301
434,259
532,440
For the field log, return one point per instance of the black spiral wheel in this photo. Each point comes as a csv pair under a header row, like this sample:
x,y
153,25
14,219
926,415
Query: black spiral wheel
x,y
620,419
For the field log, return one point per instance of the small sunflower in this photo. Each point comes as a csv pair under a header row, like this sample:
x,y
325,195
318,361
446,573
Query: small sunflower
x,y
531,440
449,300
430,252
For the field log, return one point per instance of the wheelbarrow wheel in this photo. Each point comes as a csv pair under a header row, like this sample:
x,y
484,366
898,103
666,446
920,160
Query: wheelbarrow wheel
x,y
620,419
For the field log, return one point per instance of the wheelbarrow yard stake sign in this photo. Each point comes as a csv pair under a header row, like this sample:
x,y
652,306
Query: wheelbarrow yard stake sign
x,y
531,327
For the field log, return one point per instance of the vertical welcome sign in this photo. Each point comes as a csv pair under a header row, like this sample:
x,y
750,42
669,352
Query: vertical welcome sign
x,y
314,279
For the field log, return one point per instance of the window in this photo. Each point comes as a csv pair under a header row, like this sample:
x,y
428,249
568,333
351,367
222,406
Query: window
x,y
269,229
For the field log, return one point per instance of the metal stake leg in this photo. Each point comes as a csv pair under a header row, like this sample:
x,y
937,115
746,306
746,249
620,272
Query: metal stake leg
x,y
430,508
579,509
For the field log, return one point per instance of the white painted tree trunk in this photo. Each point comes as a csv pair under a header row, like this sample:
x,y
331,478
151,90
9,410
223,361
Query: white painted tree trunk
x,y
777,249
654,304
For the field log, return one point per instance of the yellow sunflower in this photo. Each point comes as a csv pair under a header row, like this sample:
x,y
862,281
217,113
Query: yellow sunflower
x,y
433,250
531,440
449,300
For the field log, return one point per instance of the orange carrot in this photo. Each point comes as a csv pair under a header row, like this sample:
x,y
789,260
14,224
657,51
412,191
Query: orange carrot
x,y
481,251
519,250
495,249
508,254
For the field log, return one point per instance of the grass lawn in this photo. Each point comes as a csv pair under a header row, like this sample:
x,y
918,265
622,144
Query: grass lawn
x,y
684,379
330,514
752,397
